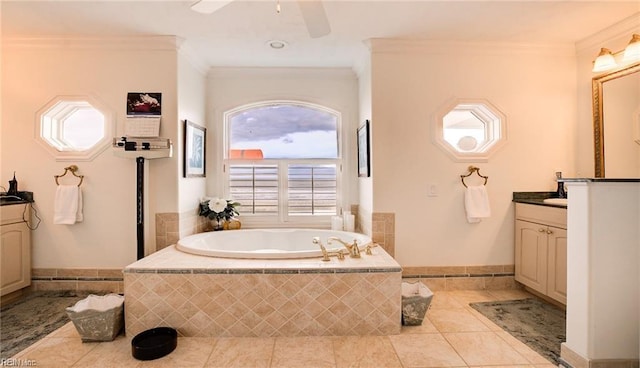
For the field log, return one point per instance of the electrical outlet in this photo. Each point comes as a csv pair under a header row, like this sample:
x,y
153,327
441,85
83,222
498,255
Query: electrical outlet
x,y
432,190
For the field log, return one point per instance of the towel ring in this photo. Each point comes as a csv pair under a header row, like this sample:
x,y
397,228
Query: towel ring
x,y
73,169
473,169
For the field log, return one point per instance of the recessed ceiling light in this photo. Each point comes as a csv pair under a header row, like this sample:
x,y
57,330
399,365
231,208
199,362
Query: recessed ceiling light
x,y
277,44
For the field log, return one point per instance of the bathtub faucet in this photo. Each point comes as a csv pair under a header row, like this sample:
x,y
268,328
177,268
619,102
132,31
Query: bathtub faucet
x,y
325,253
354,251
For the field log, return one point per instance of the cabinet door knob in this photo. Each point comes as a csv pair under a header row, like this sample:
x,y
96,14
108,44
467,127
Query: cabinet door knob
x,y
541,230
549,232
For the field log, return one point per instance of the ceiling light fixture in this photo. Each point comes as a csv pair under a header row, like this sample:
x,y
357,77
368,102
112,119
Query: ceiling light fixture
x,y
606,59
277,44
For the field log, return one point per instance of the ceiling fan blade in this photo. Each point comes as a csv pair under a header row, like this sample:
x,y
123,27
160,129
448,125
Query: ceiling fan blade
x,y
315,17
209,6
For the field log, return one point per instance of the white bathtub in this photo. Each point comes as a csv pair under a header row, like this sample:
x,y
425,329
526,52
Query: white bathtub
x,y
266,243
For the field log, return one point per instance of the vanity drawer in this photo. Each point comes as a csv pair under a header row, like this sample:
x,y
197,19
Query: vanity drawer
x,y
552,216
11,214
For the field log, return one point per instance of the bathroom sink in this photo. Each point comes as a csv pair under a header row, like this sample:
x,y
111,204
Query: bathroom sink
x,y
558,201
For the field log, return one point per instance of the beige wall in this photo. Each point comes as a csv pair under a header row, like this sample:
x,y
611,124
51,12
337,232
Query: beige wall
x,y
335,88
36,70
534,86
191,106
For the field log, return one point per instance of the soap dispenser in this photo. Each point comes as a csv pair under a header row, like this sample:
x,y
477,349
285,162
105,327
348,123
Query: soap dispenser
x,y
13,186
560,192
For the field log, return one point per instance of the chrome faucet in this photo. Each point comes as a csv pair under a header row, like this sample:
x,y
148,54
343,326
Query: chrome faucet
x,y
354,251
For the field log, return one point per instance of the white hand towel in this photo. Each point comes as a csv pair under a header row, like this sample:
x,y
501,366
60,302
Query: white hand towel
x,y
476,203
67,207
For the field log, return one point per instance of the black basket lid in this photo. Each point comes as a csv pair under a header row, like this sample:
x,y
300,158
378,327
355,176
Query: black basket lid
x,y
154,343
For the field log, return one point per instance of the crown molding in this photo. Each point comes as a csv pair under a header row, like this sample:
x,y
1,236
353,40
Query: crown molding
x,y
386,45
116,43
625,28
191,56
277,72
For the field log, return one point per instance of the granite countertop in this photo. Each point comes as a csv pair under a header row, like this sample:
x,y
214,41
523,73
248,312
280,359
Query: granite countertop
x,y
599,180
22,197
536,198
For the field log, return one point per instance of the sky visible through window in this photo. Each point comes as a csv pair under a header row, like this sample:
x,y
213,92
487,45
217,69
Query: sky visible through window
x,y
285,131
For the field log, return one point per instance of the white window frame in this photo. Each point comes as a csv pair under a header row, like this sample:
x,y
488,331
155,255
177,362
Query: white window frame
x,y
283,219
50,124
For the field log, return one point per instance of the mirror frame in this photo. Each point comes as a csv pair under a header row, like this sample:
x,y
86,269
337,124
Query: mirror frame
x,y
598,115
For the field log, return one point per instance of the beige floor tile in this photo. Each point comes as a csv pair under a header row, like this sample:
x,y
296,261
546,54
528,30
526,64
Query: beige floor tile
x,y
241,352
56,352
425,350
531,355
425,327
365,351
455,320
191,352
487,322
113,354
68,330
484,348
471,296
506,366
444,299
303,352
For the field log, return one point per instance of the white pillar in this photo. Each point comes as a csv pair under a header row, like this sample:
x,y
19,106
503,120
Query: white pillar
x,y
603,278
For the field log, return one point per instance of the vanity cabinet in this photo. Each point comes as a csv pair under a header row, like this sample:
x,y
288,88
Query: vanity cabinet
x,y
541,249
15,248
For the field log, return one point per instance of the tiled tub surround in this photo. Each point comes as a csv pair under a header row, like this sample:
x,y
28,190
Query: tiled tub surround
x,y
77,279
218,297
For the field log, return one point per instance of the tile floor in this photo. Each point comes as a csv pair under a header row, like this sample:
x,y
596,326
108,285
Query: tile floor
x,y
452,335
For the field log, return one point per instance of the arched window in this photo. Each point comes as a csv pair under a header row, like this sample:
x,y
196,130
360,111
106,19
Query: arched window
x,y
283,161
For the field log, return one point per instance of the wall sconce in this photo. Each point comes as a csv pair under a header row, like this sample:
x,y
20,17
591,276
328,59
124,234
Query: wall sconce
x,y
606,59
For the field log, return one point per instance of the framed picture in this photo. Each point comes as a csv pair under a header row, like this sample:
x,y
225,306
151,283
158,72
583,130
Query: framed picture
x,y
194,150
363,150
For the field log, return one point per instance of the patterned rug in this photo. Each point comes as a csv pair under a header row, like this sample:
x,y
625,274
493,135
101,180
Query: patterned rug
x,y
540,325
25,321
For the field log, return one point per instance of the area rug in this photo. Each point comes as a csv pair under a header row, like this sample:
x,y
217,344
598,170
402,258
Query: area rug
x,y
25,321
540,325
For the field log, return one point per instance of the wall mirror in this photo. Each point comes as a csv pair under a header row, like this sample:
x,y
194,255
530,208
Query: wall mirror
x,y
616,123
469,130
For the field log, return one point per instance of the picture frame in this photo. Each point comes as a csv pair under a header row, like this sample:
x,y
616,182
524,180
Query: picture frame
x,y
195,139
364,169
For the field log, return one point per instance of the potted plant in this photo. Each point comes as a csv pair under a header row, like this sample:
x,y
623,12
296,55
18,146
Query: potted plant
x,y
218,211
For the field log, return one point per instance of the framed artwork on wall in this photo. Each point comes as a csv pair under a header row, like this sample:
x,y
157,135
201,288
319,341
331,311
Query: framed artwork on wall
x,y
194,150
364,169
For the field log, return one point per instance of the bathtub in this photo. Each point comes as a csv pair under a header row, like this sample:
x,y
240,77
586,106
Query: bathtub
x,y
266,243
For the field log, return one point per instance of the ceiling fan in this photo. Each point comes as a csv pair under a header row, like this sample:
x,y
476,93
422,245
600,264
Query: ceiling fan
x,y
312,11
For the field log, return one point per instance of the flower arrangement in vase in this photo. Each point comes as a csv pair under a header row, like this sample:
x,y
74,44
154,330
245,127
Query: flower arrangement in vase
x,y
218,211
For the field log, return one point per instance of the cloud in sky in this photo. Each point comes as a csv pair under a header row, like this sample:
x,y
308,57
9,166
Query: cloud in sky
x,y
279,122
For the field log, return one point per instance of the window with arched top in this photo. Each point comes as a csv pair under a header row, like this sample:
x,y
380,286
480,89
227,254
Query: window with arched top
x,y
283,161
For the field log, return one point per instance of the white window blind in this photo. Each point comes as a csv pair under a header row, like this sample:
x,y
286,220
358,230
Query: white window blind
x,y
312,189
255,187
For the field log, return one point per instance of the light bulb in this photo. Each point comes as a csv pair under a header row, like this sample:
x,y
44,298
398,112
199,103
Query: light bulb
x,y
604,61
632,51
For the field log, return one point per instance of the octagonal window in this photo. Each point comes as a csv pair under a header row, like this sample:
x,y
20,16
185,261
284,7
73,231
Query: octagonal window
x,y
74,128
469,130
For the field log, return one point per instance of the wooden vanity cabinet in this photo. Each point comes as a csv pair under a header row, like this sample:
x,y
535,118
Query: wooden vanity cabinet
x,y
541,249
15,248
